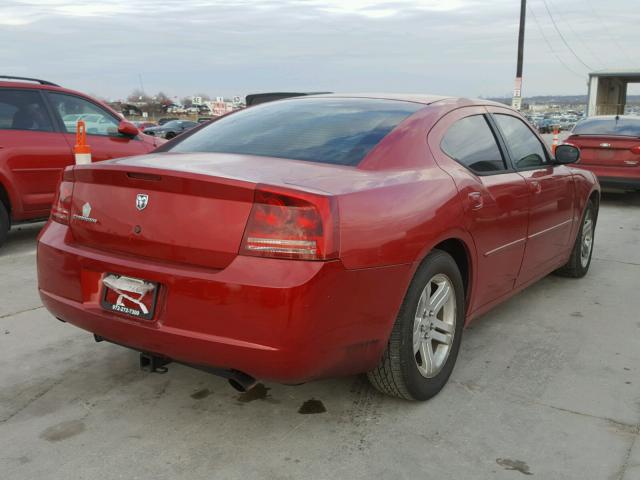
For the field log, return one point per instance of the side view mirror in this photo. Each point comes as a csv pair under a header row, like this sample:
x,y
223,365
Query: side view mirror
x,y
566,154
128,129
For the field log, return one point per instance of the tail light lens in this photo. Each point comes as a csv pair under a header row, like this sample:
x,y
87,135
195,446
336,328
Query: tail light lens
x,y
61,209
636,149
291,225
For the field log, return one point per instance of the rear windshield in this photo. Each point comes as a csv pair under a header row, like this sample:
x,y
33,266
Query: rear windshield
x,y
325,130
623,126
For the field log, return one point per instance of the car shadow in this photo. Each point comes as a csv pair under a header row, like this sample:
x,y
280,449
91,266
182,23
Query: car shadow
x,y
21,239
620,198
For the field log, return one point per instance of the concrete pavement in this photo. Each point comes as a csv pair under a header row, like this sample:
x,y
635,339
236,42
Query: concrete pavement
x,y
548,384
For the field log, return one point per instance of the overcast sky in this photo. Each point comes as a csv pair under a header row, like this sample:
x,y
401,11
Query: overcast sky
x,y
182,47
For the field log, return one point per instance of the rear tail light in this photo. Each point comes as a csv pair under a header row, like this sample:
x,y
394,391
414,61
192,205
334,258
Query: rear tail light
x,y
291,225
61,208
635,149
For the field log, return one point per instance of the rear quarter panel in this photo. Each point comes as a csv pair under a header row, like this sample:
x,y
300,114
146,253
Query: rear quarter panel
x,y
412,205
400,223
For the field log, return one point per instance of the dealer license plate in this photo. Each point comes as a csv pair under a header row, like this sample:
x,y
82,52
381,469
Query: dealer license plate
x,y
129,296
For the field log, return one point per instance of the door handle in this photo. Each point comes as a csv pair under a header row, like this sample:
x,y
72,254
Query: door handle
x,y
475,198
535,187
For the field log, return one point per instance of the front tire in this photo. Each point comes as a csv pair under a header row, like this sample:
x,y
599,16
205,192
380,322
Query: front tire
x,y
5,224
424,343
580,259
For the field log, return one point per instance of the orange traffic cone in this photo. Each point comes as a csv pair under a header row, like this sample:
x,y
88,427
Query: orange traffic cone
x,y
81,149
555,141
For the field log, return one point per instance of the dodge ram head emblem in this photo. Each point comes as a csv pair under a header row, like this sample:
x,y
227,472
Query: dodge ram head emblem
x,y
142,201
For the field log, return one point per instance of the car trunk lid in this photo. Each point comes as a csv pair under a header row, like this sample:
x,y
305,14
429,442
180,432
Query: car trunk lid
x,y
167,215
606,150
198,204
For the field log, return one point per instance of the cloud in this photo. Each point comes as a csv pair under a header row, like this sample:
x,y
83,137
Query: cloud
x,y
458,47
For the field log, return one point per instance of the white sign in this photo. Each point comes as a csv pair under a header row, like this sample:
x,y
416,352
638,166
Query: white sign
x,y
196,100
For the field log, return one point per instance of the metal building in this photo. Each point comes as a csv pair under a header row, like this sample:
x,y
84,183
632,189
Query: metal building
x,y
608,91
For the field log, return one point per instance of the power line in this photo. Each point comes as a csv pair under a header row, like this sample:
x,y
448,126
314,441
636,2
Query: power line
x,y
564,40
535,19
568,23
608,30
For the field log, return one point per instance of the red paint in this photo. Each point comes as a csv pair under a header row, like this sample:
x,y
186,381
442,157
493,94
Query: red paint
x,y
615,160
293,320
31,162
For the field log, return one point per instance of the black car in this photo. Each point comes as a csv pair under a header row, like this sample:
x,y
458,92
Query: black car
x,y
164,120
171,129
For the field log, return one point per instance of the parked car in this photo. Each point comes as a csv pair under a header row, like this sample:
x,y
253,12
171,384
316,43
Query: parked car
x,y
164,120
610,147
318,236
548,125
37,134
142,125
171,129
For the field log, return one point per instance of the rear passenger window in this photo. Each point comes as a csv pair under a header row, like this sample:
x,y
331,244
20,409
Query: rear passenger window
x,y
23,110
471,142
526,150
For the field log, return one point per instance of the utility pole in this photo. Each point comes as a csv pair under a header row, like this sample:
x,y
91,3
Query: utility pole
x,y
516,101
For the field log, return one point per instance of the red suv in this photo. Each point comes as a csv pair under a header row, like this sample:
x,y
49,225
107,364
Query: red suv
x,y
37,134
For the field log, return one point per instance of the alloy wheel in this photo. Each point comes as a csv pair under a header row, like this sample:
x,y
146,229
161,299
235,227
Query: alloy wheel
x,y
586,242
434,325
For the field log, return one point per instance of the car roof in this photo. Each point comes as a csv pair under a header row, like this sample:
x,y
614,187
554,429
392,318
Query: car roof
x,y
28,84
47,86
425,99
53,88
404,97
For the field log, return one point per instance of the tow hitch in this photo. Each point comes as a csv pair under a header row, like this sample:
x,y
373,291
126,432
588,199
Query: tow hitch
x,y
153,363
157,364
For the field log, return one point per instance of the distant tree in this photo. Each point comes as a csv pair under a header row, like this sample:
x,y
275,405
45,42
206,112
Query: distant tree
x,y
138,95
162,98
204,96
186,102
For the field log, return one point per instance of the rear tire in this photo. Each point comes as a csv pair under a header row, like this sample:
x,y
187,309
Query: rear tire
x,y
425,318
580,259
5,223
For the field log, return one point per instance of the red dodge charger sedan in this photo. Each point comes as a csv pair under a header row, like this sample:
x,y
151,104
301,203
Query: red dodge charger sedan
x,y
317,236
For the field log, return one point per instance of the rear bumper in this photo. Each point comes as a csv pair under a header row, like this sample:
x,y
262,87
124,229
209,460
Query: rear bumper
x,y
627,178
281,320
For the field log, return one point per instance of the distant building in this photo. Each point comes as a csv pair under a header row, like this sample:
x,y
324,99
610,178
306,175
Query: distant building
x,y
608,91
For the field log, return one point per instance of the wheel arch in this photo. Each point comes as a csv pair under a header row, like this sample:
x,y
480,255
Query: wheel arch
x,y
595,198
4,198
461,254
460,246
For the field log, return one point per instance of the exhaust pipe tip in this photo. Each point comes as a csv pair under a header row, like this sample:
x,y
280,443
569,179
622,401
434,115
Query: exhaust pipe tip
x,y
242,382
